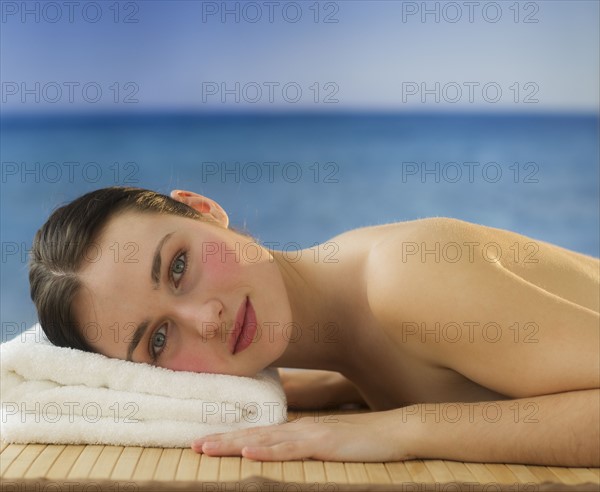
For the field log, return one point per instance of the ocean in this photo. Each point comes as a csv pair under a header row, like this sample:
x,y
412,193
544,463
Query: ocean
x,y
294,180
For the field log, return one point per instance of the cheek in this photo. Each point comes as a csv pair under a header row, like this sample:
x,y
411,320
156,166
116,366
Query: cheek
x,y
197,360
222,266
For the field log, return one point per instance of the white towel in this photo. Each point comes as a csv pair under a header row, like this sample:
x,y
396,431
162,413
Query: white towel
x,y
59,395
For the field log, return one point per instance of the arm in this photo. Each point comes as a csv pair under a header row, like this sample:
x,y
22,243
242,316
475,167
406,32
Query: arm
x,y
553,430
312,389
347,392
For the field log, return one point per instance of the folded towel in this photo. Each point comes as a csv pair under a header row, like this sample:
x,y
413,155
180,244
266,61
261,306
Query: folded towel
x,y
59,395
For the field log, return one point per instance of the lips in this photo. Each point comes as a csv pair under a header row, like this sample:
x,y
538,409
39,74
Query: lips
x,y
239,323
245,328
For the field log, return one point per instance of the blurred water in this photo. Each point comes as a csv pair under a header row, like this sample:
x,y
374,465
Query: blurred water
x,y
329,174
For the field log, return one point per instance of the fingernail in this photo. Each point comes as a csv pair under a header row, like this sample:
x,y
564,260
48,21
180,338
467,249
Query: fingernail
x,y
210,445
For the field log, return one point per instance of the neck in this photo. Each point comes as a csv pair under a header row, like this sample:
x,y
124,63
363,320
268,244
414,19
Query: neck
x,y
318,335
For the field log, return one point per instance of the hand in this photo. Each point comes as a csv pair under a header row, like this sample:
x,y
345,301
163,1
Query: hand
x,y
366,437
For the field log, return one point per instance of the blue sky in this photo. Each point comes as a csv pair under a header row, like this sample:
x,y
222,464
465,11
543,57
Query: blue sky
x,y
361,61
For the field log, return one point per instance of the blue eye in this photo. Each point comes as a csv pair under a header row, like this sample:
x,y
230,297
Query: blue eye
x,y
158,339
178,266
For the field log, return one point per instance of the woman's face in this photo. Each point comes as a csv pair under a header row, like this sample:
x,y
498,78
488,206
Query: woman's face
x,y
178,285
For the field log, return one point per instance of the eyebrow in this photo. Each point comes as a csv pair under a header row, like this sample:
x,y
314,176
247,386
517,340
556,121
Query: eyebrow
x,y
140,331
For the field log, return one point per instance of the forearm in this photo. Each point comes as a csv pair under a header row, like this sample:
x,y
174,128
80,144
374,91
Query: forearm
x,y
555,430
347,392
317,389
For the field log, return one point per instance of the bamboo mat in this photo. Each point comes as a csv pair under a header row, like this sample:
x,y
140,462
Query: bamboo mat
x,y
41,467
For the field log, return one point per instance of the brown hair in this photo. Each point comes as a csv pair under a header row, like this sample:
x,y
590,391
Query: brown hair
x,y
60,246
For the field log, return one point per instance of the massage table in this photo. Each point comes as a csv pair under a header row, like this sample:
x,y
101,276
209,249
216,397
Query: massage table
x,y
41,467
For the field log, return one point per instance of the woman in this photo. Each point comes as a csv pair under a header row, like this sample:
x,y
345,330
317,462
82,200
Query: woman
x,y
469,342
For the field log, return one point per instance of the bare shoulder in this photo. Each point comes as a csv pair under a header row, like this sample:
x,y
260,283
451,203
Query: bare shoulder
x,y
484,312
434,247
408,264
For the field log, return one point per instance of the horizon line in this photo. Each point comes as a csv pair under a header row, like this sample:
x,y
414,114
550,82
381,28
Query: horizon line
x,y
194,112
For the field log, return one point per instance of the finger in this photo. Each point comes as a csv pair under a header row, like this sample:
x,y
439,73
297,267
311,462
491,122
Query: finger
x,y
267,429
221,448
216,442
233,445
283,451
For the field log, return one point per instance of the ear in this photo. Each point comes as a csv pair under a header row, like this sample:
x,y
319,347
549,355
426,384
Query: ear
x,y
202,204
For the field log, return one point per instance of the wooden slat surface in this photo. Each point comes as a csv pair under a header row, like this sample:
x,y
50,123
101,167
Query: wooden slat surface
x,y
135,468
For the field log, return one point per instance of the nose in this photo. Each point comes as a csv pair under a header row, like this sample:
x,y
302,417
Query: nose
x,y
203,319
